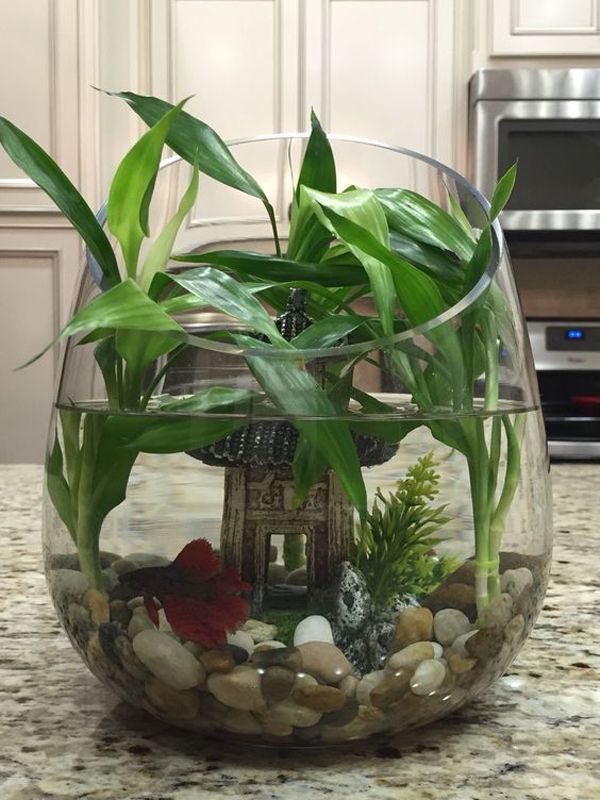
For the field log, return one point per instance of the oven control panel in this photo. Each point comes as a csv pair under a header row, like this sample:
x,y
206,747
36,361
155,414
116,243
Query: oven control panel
x,y
565,345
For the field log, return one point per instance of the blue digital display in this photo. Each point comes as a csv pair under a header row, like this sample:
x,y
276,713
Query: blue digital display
x,y
574,333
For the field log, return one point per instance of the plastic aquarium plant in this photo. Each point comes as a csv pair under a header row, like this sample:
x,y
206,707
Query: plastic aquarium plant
x,y
374,325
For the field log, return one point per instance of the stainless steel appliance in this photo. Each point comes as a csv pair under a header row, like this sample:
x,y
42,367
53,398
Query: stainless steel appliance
x,y
549,120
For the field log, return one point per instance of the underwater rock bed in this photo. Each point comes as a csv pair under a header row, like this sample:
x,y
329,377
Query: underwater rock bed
x,y
307,690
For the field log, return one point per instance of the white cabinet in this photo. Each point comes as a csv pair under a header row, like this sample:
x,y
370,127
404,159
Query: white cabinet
x,y
545,28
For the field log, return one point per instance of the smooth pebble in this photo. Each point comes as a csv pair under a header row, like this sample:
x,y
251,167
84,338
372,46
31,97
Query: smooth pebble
x,y
168,660
313,629
428,676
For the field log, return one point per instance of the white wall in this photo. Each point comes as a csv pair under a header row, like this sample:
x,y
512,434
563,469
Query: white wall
x,y
395,70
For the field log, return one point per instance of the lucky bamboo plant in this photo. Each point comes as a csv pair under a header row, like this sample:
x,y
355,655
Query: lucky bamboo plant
x,y
412,259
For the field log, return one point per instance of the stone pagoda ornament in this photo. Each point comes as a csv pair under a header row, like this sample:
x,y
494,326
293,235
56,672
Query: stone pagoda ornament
x,y
259,492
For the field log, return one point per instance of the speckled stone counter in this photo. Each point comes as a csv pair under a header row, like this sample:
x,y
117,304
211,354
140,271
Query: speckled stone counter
x,y
535,735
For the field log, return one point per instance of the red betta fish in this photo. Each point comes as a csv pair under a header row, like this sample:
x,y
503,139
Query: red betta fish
x,y
198,594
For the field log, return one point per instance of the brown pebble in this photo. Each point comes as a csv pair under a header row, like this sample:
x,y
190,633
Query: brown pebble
x,y
174,704
485,644
217,660
453,595
320,698
277,683
412,625
459,664
211,708
391,688
289,657
346,714
98,606
120,612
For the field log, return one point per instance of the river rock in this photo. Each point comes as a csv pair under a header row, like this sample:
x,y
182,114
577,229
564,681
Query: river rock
x,y
344,716
459,664
293,714
320,698
499,611
243,640
211,709
366,685
516,582
242,722
348,685
140,621
278,729
324,661
428,676
277,684
110,579
450,623
313,629
78,622
71,561
276,574
260,631
170,702
239,688
459,644
217,661
146,560
298,577
389,690
412,655
290,657
271,644
107,633
121,613
68,583
97,604
240,656
514,631
128,658
453,595
413,625
168,660
485,644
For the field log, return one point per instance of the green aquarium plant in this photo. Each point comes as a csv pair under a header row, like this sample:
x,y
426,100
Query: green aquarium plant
x,y
395,548
411,259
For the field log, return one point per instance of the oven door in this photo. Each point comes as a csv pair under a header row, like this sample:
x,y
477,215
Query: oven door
x,y
557,144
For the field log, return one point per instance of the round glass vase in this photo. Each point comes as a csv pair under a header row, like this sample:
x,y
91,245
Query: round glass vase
x,y
334,543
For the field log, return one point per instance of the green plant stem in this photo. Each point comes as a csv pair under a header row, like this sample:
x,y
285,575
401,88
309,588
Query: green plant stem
x,y
272,220
87,527
160,375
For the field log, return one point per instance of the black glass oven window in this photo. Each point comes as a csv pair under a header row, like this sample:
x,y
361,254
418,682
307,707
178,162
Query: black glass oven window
x,y
559,163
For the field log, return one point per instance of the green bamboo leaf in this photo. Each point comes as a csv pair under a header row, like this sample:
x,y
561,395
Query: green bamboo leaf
x,y
261,265
419,218
58,488
360,207
479,261
328,331
215,288
318,165
36,163
217,398
459,215
191,138
503,191
132,187
432,260
298,394
170,435
124,306
161,249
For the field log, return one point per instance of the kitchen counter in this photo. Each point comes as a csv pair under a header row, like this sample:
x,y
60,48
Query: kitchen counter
x,y
532,736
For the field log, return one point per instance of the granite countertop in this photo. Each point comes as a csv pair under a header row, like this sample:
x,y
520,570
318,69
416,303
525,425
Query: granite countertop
x,y
533,736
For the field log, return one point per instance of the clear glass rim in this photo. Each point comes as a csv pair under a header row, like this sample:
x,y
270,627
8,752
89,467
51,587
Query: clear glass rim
x,y
340,351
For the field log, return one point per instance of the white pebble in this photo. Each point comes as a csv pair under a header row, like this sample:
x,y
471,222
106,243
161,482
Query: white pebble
x,y
313,629
516,581
428,676
243,640
458,645
367,684
168,660
450,623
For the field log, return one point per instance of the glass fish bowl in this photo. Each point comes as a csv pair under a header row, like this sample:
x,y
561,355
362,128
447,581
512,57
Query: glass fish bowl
x,y
340,538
